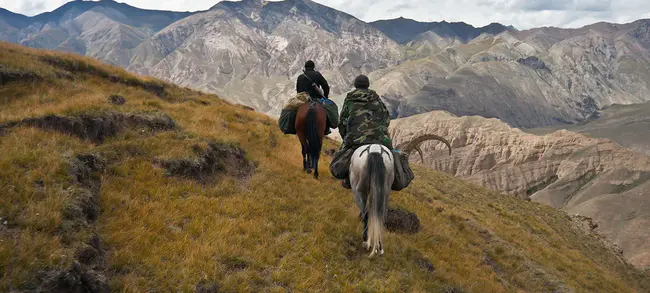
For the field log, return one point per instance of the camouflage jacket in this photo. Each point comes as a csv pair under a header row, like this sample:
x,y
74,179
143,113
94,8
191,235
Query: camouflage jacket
x,y
364,120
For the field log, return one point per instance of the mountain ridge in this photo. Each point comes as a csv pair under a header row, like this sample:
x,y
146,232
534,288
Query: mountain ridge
x,y
526,78
404,30
529,78
270,41
74,8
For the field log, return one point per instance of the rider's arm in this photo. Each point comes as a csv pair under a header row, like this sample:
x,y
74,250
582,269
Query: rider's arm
x,y
386,121
323,83
385,113
298,84
343,119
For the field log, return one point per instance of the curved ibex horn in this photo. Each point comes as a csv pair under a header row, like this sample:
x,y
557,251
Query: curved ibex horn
x,y
415,144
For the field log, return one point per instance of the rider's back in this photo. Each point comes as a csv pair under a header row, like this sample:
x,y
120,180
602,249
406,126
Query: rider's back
x,y
309,76
364,119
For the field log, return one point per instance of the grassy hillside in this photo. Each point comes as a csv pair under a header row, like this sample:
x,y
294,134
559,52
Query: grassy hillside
x,y
177,190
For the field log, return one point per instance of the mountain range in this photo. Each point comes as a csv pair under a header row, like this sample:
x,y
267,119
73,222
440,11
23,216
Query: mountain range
x,y
106,30
251,52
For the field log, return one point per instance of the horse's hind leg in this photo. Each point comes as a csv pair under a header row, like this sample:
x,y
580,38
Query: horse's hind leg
x,y
315,165
305,160
303,145
360,200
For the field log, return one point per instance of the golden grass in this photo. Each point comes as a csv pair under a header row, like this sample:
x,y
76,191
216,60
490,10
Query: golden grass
x,y
279,230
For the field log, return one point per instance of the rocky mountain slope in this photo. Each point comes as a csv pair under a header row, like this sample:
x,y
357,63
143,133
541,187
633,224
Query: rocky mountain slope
x,y
112,182
106,29
591,177
251,52
527,78
628,125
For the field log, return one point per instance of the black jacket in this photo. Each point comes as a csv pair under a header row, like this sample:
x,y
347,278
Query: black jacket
x,y
304,85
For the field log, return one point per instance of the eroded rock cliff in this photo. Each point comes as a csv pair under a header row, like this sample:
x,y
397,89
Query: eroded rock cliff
x,y
592,177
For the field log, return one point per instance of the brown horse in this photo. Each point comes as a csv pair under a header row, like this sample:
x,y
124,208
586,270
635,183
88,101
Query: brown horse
x,y
311,121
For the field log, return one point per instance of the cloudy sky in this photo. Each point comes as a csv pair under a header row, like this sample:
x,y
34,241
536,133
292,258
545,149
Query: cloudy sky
x,y
522,14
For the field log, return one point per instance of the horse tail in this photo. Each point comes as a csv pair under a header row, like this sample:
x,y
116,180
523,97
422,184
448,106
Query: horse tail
x,y
376,206
314,142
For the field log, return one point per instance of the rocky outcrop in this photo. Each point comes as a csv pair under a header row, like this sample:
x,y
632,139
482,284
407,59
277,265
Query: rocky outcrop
x,y
211,163
78,228
592,177
401,221
97,127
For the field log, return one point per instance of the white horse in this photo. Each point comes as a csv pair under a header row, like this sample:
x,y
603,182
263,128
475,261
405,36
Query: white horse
x,y
371,177
372,172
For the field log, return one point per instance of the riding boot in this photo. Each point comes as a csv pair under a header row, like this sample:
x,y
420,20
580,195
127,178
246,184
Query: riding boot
x,y
346,183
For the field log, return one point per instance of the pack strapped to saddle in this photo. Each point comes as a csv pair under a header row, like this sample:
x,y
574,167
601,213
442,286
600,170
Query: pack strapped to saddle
x,y
403,173
332,111
287,121
340,165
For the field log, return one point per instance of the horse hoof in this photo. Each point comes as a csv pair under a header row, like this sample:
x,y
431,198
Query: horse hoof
x,y
308,171
381,252
366,245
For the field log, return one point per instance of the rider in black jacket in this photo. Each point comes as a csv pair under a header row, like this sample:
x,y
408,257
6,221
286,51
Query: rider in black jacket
x,y
304,84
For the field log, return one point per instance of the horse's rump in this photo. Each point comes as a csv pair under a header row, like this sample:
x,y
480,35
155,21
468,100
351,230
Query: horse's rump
x,y
359,159
289,112
314,138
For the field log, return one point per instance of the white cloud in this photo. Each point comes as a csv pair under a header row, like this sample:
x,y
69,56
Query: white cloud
x,y
522,14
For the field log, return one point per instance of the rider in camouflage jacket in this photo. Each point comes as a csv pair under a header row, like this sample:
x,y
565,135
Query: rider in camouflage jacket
x,y
364,118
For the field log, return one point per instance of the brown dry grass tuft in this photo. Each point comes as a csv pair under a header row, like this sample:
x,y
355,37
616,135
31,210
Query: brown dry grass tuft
x,y
276,230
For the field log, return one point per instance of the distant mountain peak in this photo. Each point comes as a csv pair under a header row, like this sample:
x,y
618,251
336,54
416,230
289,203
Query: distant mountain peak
x,y
404,30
